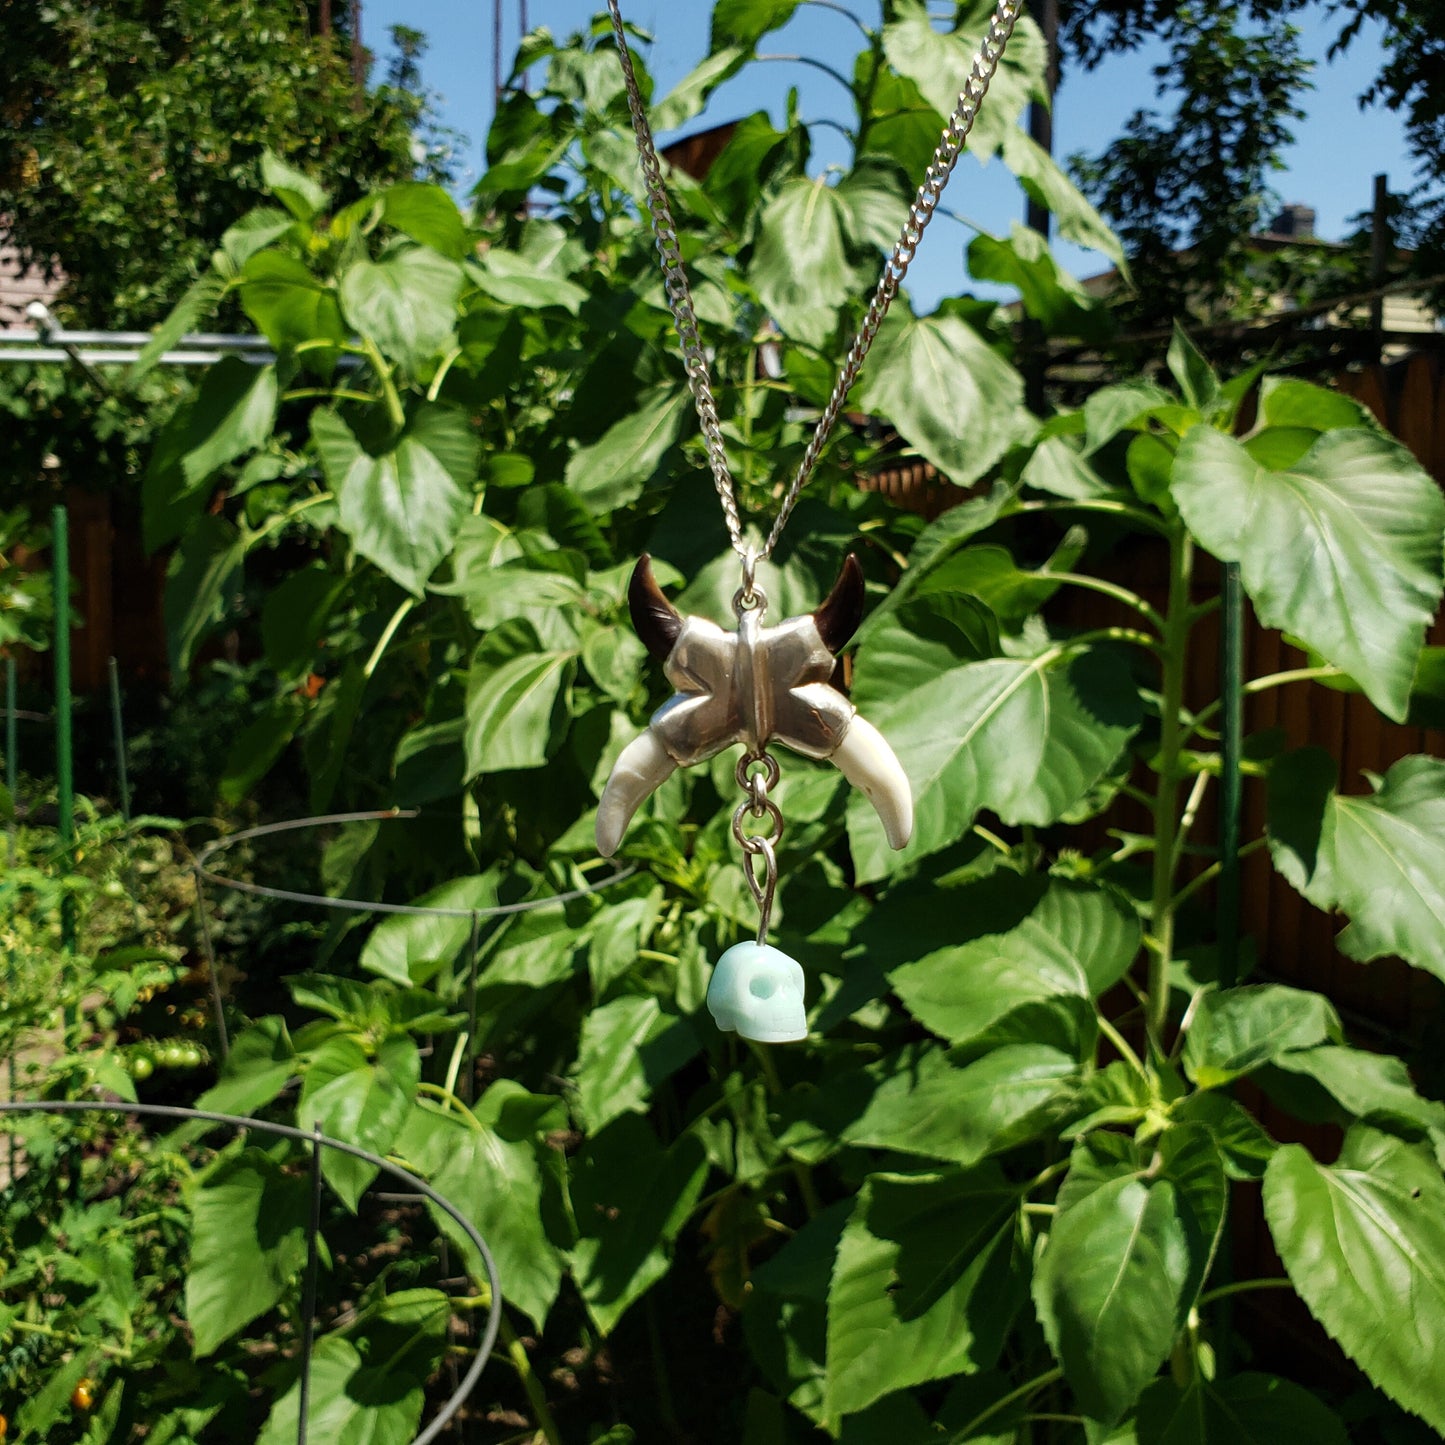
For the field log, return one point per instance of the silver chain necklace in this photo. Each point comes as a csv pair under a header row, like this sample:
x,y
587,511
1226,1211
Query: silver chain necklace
x,y
679,294
765,684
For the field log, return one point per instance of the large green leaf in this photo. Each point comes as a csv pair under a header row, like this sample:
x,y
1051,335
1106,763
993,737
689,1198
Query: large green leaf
x,y
301,195
413,948
628,1047
745,22
203,583
1341,549
801,265
488,1168
360,1101
427,214
1076,943
1025,737
1047,292
1047,182
1244,1409
940,64
631,1197
233,413
612,471
952,396
1380,859
1364,1243
349,1404
262,1061
516,696
1241,1029
920,1103
1109,1285
406,303
247,1247
925,1285
291,306
400,509
1373,1087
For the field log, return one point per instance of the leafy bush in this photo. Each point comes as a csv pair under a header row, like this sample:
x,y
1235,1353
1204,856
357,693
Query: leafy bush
x,y
988,1199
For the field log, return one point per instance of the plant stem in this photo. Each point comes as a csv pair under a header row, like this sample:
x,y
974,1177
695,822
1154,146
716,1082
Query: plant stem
x,y
536,1397
1191,812
1166,797
1242,1286
1263,684
1108,589
1039,1382
382,642
455,1105
394,408
1122,1044
1140,515
1210,874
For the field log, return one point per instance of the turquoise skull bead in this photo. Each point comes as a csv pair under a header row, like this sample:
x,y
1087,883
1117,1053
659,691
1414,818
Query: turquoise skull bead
x,y
757,990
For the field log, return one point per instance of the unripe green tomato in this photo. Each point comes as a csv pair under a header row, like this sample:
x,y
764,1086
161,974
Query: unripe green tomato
x,y
142,1066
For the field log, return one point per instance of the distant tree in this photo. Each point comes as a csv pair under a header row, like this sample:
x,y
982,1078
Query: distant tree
x,y
131,133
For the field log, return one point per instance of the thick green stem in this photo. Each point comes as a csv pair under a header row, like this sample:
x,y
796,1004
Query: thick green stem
x,y
1166,798
536,1397
394,409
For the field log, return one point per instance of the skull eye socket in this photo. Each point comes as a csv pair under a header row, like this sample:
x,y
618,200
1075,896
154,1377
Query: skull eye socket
x,y
762,986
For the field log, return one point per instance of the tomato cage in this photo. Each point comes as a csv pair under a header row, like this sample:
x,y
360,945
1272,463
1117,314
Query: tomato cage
x,y
484,1281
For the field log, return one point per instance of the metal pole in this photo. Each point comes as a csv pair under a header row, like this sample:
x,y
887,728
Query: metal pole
x,y
12,755
308,1293
496,52
118,737
64,761
217,1006
469,1086
1230,779
1379,257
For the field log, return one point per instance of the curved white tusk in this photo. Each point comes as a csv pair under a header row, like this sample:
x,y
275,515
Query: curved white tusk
x,y
643,767
866,760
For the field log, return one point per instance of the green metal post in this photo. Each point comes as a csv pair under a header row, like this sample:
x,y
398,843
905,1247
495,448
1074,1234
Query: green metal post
x,y
12,754
118,737
64,764
1231,744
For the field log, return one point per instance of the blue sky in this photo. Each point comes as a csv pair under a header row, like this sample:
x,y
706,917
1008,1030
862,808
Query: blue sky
x,y
1338,150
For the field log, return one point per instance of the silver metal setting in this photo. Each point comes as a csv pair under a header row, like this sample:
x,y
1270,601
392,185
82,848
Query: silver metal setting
x,y
753,686
679,295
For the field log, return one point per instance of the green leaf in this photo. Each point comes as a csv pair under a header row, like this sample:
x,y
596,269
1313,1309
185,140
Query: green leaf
x,y
516,700
631,1197
920,1103
940,64
254,752
262,1061
1108,1288
295,618
360,1101
350,1404
291,306
1124,407
428,215
1047,293
1342,549
801,266
256,229
1372,1087
491,1173
197,305
950,394
1246,1409
247,1246
613,471
203,582
294,189
400,509
1380,859
990,574
745,22
628,1047
517,280
1364,1243
1047,182
1241,1029
1076,943
1026,738
1286,401
413,948
518,590
406,304
1191,372
925,1285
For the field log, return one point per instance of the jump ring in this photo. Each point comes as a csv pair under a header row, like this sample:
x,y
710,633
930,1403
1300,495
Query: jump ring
x,y
771,772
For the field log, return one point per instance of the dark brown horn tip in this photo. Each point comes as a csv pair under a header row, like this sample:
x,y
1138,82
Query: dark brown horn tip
x,y
838,618
657,621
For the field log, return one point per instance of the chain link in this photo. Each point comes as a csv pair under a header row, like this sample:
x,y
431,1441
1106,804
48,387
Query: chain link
x,y
679,294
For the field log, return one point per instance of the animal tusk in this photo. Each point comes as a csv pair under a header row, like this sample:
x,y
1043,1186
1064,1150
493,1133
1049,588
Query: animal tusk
x,y
643,768
866,760
838,618
657,621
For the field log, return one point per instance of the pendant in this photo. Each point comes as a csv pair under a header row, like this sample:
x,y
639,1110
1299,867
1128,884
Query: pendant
x,y
754,686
